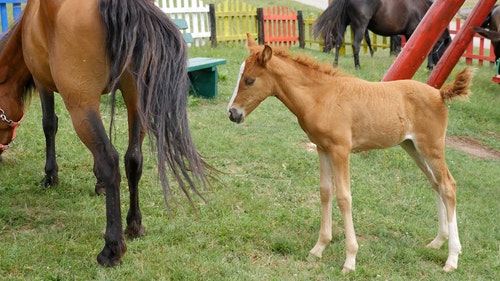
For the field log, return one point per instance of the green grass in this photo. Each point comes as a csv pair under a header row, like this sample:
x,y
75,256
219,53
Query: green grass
x,y
261,220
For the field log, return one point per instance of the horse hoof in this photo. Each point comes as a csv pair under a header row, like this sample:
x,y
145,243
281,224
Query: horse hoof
x,y
49,181
312,258
346,270
449,268
112,254
135,230
100,189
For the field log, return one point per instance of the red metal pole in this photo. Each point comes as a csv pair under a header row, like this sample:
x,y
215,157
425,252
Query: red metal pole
x,y
459,43
423,39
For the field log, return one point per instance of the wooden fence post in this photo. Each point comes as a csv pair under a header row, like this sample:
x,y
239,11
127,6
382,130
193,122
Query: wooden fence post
x,y
260,25
300,20
213,25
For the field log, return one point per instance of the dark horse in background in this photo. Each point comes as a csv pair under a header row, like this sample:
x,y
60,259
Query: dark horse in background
x,y
491,29
83,49
383,17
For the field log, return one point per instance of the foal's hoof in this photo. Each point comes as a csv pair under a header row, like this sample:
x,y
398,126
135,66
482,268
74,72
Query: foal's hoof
x,y
112,254
100,189
312,258
449,268
346,270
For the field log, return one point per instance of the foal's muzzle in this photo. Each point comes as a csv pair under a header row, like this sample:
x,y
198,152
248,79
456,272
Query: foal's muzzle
x,y
235,115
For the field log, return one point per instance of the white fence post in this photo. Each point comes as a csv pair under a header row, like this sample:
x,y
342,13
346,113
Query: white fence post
x,y
195,12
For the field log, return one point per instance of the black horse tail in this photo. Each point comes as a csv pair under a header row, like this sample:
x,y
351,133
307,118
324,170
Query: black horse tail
x,y
330,22
142,40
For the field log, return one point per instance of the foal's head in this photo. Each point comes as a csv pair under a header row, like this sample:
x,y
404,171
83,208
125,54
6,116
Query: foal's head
x,y
254,82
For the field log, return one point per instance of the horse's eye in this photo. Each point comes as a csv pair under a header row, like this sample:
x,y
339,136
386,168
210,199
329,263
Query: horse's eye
x,y
249,81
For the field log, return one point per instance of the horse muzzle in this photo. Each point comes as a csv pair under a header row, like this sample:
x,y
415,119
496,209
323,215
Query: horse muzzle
x,y
236,115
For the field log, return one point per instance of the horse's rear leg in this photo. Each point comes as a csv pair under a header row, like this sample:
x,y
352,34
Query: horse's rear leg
x,y
432,162
133,169
369,42
338,44
356,44
50,124
133,157
89,127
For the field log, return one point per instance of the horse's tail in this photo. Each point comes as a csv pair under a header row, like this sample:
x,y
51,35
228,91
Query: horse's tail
x,y
143,41
330,22
460,86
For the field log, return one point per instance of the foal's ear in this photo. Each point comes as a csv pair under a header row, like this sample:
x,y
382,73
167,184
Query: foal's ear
x,y
266,55
250,41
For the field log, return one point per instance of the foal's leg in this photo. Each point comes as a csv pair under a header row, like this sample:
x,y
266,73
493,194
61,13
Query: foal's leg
x,y
89,127
50,124
339,159
336,166
326,190
430,159
133,159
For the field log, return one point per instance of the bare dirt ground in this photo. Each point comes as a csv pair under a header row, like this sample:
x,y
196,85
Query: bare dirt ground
x,y
473,147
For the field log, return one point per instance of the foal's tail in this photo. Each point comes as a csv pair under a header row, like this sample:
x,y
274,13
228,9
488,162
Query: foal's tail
x,y
460,87
143,41
331,21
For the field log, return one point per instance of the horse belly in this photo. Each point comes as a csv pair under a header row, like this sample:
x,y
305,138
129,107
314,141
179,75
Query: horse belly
x,y
379,128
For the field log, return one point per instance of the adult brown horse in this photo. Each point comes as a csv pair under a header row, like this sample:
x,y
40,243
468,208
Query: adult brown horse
x,y
83,49
383,17
340,113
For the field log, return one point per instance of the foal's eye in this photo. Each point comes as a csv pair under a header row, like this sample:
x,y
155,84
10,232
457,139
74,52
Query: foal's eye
x,y
249,81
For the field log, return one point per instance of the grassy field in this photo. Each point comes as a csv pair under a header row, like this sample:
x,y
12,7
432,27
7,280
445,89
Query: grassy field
x,y
261,219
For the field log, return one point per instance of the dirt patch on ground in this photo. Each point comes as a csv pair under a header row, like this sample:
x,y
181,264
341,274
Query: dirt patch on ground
x,y
468,145
472,147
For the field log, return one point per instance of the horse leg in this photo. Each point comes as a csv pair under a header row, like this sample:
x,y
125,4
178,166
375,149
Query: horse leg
x,y
88,125
341,177
326,193
356,43
50,124
133,170
434,166
338,44
369,42
395,45
133,159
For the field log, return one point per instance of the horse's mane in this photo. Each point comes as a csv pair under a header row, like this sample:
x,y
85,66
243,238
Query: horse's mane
x,y
307,61
29,85
7,36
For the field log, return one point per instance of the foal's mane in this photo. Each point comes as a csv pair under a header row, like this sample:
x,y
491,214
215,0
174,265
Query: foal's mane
x,y
304,60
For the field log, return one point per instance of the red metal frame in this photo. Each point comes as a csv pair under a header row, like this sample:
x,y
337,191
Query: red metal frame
x,y
427,34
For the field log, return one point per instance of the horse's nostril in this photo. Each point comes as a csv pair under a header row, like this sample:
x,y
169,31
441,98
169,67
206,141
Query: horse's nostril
x,y
235,116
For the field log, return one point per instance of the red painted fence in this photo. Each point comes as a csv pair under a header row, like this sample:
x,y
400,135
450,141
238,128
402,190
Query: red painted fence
x,y
280,26
483,52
